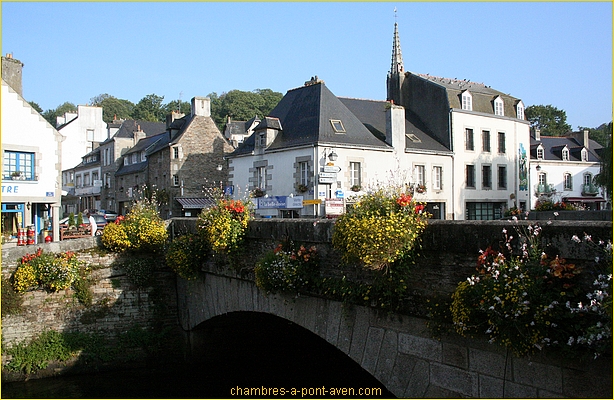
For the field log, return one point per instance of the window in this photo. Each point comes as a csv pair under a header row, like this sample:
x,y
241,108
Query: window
x,y
261,140
107,180
486,141
470,176
466,101
437,177
584,155
419,171
107,158
501,142
541,178
355,179
540,153
501,177
303,168
126,161
261,176
486,177
588,179
484,211
18,164
78,181
86,180
499,106
567,181
143,156
89,135
134,158
565,154
469,139
175,152
520,110
175,180
337,126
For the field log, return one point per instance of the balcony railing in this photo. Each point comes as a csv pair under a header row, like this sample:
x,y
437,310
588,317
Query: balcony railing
x,y
590,190
546,189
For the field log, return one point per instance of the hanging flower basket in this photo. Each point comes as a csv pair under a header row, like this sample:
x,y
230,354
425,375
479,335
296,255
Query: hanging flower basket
x,y
258,192
302,188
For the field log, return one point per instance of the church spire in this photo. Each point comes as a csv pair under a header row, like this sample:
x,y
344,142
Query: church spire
x,y
397,57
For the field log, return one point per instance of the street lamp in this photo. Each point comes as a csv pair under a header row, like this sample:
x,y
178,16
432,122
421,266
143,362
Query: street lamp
x,y
333,156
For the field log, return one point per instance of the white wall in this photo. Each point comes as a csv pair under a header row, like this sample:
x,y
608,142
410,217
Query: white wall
x,y
76,144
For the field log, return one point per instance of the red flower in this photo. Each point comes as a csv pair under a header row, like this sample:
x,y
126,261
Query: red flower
x,y
404,200
419,208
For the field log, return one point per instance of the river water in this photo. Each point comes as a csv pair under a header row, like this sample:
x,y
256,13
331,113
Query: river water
x,y
244,355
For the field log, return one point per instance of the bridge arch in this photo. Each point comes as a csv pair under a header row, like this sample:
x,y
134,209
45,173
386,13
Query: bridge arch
x,y
260,350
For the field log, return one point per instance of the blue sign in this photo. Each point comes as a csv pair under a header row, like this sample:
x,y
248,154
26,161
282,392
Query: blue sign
x,y
276,202
229,190
339,194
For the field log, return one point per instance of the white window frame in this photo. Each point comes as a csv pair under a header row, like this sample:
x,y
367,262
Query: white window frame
x,y
587,178
565,154
355,174
303,169
520,110
420,174
499,107
584,155
540,152
467,101
261,178
567,181
437,177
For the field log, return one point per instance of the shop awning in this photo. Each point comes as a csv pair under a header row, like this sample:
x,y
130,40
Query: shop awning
x,y
195,202
587,199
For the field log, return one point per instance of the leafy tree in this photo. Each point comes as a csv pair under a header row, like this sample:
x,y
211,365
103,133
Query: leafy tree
x,y
242,106
113,107
270,98
604,178
51,115
183,107
149,108
600,134
550,120
35,106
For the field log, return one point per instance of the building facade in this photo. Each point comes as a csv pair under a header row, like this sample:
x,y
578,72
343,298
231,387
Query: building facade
x,y
32,153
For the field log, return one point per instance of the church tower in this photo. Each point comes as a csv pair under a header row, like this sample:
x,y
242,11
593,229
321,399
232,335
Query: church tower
x,y
396,75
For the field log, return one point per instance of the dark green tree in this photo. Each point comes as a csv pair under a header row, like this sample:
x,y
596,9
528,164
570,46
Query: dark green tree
x,y
177,105
242,106
600,134
51,115
550,120
36,106
112,107
604,178
150,108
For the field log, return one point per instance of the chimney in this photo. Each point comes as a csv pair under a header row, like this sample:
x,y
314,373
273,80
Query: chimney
x,y
171,117
395,126
537,134
585,139
11,73
201,106
138,134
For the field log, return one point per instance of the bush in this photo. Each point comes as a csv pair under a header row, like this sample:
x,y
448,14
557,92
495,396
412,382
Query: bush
x,y
139,271
142,230
11,300
533,301
54,272
383,226
186,255
223,225
287,269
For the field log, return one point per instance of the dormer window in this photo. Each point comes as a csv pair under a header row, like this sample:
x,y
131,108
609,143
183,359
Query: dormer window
x,y
540,153
565,154
337,126
261,140
467,101
499,106
520,110
584,155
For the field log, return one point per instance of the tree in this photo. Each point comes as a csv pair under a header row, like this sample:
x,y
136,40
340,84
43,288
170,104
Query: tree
x,y
242,106
149,108
550,120
177,105
113,107
52,115
36,106
600,134
604,178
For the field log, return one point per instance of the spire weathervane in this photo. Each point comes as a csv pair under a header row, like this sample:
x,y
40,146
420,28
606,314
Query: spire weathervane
x,y
397,57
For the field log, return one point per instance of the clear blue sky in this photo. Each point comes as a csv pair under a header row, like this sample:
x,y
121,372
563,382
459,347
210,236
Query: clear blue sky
x,y
557,53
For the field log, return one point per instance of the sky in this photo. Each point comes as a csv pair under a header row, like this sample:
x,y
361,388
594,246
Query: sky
x,y
545,53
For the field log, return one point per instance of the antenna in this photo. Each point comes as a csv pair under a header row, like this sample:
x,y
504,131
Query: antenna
x,y
179,105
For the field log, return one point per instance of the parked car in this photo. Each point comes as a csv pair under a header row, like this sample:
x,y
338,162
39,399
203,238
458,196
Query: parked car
x,y
101,222
109,215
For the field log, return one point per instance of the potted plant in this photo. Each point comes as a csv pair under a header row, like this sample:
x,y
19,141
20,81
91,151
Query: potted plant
x,y
16,175
420,188
356,188
302,188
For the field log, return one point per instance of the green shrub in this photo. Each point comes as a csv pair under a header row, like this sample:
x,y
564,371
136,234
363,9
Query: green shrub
x,y
51,271
288,268
139,271
11,299
383,226
186,254
223,225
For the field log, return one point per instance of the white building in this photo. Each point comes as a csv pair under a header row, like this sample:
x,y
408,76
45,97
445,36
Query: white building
x,y
563,169
82,130
31,153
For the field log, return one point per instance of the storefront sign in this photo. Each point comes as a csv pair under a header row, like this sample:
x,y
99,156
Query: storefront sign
x,y
277,202
334,207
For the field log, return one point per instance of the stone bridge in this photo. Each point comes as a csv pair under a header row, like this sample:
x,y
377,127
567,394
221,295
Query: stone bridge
x,y
398,350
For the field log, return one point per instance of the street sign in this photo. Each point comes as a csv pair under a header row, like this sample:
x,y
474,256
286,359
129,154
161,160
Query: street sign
x,y
328,174
332,168
326,180
314,201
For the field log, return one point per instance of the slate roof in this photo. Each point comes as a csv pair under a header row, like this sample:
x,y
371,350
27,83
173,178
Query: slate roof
x,y
372,114
305,114
553,148
149,144
239,127
128,127
482,95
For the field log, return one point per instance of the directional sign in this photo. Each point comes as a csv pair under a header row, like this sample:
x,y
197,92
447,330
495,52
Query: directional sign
x,y
332,168
327,180
328,174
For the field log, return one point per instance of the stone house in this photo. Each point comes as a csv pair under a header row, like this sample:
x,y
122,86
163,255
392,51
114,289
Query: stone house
x,y
180,165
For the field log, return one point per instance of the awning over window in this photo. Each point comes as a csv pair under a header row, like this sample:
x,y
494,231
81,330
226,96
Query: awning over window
x,y
587,199
195,202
